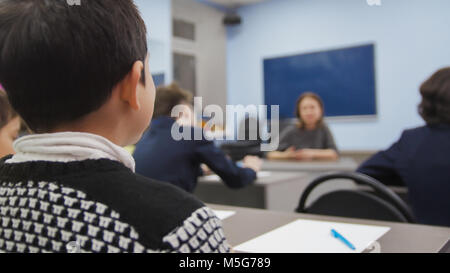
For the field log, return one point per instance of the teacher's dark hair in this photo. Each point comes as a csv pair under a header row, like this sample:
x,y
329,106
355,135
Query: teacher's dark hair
x,y
60,62
435,105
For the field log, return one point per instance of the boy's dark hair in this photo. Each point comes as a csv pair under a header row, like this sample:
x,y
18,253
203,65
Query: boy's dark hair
x,y
6,111
60,62
435,105
167,97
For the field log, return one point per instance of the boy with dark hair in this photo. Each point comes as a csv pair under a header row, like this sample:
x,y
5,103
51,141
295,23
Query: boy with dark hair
x,y
79,77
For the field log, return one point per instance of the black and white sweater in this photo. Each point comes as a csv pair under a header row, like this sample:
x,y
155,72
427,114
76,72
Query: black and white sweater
x,y
98,205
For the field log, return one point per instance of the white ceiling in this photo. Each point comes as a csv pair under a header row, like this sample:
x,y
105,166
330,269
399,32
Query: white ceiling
x,y
235,3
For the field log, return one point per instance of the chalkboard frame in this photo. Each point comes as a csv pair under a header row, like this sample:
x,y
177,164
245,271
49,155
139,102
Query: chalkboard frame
x,y
374,111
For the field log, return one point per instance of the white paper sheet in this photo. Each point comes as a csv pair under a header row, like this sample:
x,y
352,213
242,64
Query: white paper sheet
x,y
212,177
264,174
224,214
306,236
215,177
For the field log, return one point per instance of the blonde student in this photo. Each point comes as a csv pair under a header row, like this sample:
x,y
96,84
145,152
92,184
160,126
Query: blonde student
x,y
310,138
79,77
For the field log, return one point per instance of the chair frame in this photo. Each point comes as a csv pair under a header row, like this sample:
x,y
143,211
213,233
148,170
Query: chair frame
x,y
389,195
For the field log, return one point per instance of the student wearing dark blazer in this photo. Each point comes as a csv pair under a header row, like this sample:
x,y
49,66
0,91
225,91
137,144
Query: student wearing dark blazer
x,y
159,156
420,160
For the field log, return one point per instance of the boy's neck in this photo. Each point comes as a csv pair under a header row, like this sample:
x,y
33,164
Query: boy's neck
x,y
111,121
102,129
109,137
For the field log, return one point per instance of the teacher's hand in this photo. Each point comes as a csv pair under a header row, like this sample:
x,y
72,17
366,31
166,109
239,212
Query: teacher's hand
x,y
305,154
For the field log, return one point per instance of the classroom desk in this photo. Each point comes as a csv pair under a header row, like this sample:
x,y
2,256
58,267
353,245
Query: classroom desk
x,y
318,168
278,191
281,191
247,224
344,164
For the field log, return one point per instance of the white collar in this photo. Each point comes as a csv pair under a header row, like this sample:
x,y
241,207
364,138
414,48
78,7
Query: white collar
x,y
68,147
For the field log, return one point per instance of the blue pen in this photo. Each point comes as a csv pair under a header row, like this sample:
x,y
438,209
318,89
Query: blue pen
x,y
338,236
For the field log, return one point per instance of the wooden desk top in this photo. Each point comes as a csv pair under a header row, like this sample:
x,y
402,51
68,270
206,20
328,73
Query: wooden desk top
x,y
266,178
247,224
344,164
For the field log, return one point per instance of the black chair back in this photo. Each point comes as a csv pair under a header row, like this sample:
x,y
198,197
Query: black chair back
x,y
240,149
248,143
387,206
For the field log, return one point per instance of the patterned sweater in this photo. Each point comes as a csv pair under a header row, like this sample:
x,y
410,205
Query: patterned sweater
x,y
99,206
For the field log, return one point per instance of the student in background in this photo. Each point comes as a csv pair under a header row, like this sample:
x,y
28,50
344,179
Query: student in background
x,y
310,138
9,125
420,160
79,77
159,156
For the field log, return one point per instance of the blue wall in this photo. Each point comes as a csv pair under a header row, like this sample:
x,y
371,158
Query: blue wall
x,y
157,15
411,39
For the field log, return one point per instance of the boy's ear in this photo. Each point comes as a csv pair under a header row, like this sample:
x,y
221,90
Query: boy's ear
x,y
129,86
